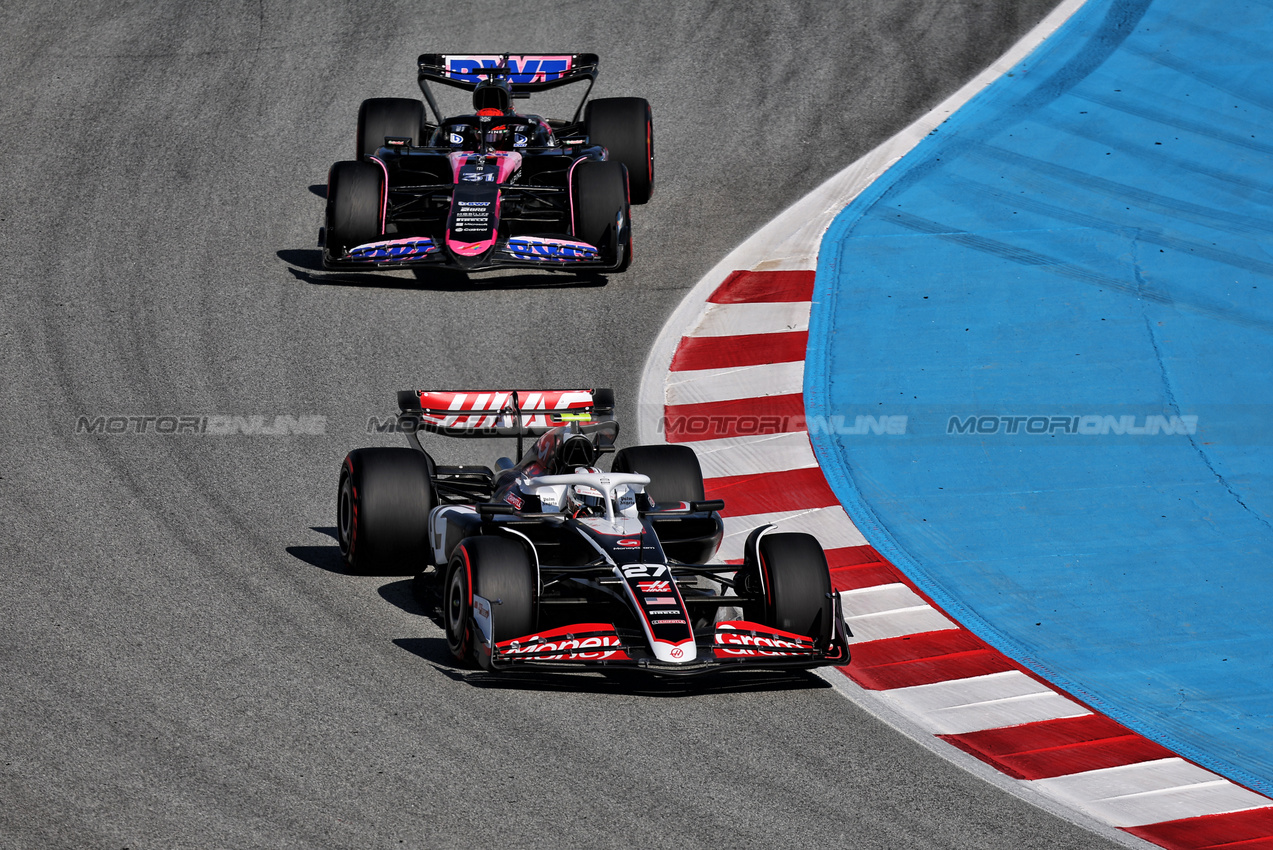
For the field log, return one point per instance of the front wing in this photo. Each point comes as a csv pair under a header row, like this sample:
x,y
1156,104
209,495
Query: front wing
x,y
525,252
731,645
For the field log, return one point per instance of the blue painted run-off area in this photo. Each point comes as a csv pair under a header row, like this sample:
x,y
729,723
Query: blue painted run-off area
x,y
1069,270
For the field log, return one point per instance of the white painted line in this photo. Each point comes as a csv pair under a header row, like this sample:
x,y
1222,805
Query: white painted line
x,y
1151,792
830,525
899,623
982,702
761,318
754,455
707,385
883,598
888,611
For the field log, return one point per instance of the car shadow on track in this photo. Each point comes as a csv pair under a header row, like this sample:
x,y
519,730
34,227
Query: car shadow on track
x,y
307,266
403,594
328,557
324,557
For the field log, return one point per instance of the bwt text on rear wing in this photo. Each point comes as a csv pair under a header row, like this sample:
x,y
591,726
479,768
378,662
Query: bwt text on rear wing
x,y
525,72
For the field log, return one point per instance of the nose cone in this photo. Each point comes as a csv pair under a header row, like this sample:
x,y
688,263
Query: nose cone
x,y
678,653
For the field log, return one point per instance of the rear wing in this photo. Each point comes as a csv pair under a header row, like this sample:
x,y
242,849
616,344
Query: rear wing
x,y
501,413
525,72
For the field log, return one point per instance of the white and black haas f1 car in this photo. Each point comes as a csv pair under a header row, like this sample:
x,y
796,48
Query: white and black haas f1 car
x,y
550,563
494,188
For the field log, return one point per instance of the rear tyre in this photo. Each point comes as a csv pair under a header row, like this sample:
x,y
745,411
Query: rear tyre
x,y
355,203
601,214
388,116
500,571
624,126
675,475
796,581
382,510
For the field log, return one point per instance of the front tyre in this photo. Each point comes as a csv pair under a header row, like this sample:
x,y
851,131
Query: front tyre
x,y
624,126
792,570
355,206
382,510
601,213
499,570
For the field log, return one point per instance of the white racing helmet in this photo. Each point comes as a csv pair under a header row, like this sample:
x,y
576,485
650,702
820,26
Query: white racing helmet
x,y
582,500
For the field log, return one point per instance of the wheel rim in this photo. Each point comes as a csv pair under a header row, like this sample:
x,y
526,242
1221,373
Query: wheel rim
x,y
345,517
455,613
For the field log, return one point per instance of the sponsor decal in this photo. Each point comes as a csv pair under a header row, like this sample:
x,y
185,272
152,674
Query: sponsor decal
x,y
628,543
539,248
456,139
482,616
519,140
660,600
664,622
514,499
677,652
751,640
394,250
655,613
599,648
522,69
479,410
654,586
472,216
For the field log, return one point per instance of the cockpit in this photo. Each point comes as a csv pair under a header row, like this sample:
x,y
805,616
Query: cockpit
x,y
482,133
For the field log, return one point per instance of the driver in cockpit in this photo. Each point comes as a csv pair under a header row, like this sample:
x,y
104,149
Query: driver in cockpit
x,y
493,99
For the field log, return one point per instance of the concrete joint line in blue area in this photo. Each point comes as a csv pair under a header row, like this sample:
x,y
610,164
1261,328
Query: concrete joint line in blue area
x,y
1087,236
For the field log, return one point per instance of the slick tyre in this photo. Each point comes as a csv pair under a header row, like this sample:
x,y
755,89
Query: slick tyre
x,y
600,199
388,116
675,475
624,126
499,570
355,205
790,569
382,510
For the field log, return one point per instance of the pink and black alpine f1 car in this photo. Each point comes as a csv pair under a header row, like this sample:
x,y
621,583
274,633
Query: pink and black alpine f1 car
x,y
548,562
493,188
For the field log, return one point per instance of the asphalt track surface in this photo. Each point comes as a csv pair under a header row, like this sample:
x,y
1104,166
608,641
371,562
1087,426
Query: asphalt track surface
x,y
184,663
